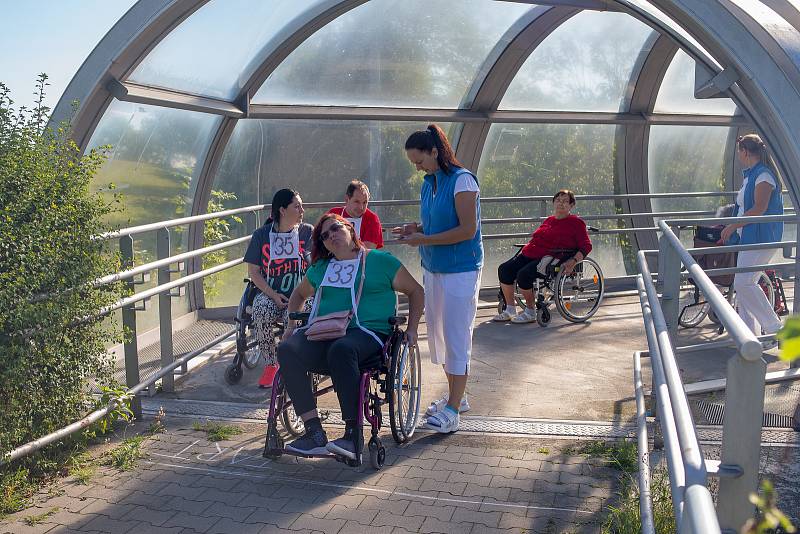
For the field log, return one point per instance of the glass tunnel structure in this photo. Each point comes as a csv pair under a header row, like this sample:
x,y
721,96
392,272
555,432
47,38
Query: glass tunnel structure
x,y
216,104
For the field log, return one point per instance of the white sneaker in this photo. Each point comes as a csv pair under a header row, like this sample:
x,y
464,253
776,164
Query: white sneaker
x,y
525,316
439,404
445,422
503,316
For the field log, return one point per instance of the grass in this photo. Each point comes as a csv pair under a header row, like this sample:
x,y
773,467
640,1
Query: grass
x,y
125,455
15,491
33,520
624,517
543,450
217,431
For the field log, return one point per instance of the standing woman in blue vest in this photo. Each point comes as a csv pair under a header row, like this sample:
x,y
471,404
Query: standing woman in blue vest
x,y
760,195
449,240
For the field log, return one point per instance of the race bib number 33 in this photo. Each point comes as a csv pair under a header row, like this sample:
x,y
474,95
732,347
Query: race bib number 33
x,y
341,273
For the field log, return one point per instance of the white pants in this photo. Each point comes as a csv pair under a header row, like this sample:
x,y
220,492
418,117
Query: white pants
x,y
451,302
751,302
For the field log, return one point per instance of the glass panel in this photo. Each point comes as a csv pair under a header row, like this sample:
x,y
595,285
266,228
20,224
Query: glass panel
x,y
154,159
676,94
685,159
584,65
393,53
318,159
212,51
540,159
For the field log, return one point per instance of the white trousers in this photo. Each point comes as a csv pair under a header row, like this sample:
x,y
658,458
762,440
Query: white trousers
x,y
751,302
451,302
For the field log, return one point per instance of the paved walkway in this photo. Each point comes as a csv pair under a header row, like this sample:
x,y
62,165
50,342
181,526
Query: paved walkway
x,y
457,483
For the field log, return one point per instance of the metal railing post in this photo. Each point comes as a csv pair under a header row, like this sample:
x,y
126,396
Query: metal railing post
x,y
741,439
165,309
669,276
131,348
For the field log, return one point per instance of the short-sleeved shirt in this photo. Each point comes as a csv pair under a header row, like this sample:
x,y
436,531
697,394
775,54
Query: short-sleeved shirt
x,y
284,274
370,225
378,299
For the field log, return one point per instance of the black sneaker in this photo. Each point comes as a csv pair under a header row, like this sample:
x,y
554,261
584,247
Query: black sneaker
x,y
346,445
312,442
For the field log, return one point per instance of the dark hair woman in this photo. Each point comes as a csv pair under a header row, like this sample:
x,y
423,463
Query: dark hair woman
x,y
341,262
276,259
760,194
451,248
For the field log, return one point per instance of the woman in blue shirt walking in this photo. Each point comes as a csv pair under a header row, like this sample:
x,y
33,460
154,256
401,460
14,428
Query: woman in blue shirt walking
x,y
449,239
760,195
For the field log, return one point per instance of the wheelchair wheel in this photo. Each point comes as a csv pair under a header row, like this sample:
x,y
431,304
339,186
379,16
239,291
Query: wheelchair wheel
x,y
289,418
579,293
377,453
233,374
543,316
405,380
692,309
250,358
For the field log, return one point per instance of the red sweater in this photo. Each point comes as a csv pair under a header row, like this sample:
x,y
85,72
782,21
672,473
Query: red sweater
x,y
552,234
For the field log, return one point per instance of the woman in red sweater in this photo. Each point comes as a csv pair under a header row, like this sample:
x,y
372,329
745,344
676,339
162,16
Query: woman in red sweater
x,y
561,231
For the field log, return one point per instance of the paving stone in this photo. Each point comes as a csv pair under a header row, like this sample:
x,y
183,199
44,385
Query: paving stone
x,y
570,478
539,498
363,517
436,474
22,528
194,522
483,529
150,529
346,500
396,506
149,515
147,500
102,523
455,466
353,527
231,498
440,512
486,461
386,519
224,484
474,490
179,490
314,509
179,504
114,511
329,526
477,451
278,519
565,489
503,482
527,474
433,525
494,470
533,465
422,463
251,487
490,519
72,504
575,469
220,509
585,491
389,481
229,526
511,520
479,480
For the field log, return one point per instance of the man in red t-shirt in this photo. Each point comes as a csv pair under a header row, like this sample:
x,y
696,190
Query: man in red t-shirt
x,y
558,233
366,221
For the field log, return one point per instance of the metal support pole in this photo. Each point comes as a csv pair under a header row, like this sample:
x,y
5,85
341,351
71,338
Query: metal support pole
x,y
741,439
669,274
163,250
795,309
131,348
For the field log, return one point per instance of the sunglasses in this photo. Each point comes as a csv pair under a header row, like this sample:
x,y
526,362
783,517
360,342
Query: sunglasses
x,y
335,227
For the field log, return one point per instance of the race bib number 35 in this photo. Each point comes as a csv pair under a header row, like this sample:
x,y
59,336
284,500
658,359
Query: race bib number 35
x,y
284,246
341,273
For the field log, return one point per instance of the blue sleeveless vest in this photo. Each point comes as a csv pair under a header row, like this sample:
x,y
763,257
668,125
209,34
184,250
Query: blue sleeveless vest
x,y
438,214
761,232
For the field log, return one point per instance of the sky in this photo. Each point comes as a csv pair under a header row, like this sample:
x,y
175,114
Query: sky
x,y
51,36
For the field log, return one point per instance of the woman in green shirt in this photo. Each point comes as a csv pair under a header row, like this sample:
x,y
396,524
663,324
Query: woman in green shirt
x,y
335,274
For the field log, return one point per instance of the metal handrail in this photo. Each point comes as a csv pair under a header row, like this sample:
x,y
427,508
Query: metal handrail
x,y
645,500
35,445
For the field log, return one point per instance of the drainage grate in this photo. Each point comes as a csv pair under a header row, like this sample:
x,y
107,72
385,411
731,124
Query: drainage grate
x,y
714,412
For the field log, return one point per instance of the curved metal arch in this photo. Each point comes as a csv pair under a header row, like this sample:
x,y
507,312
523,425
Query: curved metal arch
x,y
499,69
139,30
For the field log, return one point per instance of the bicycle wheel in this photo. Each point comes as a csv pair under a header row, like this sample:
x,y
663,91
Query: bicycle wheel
x,y
579,293
693,309
405,380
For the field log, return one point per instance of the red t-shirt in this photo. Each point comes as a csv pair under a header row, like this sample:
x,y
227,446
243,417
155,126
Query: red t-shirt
x,y
370,225
567,233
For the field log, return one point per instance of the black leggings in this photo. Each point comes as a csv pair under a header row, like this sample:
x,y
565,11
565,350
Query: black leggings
x,y
520,268
341,358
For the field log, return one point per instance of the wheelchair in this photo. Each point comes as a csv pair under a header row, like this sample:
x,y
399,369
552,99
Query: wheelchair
x,y
395,382
576,295
246,347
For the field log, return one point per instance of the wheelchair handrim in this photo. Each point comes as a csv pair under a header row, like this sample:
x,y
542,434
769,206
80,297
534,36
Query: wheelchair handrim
x,y
588,289
407,382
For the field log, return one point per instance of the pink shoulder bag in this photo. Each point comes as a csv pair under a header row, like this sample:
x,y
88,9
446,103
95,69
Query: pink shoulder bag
x,y
334,325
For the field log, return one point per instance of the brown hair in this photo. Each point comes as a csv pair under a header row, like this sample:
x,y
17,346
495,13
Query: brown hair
x,y
434,137
318,249
567,192
356,184
752,144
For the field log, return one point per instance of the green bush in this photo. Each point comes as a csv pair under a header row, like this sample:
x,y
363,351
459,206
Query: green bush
x,y
51,341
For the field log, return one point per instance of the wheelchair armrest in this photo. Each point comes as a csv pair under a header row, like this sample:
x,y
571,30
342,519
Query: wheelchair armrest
x,y
299,316
519,245
397,320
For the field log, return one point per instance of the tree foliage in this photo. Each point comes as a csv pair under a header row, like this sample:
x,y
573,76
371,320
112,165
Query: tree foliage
x,y
51,342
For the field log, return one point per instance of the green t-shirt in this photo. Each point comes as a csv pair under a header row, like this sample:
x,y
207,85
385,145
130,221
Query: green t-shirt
x,y
378,300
